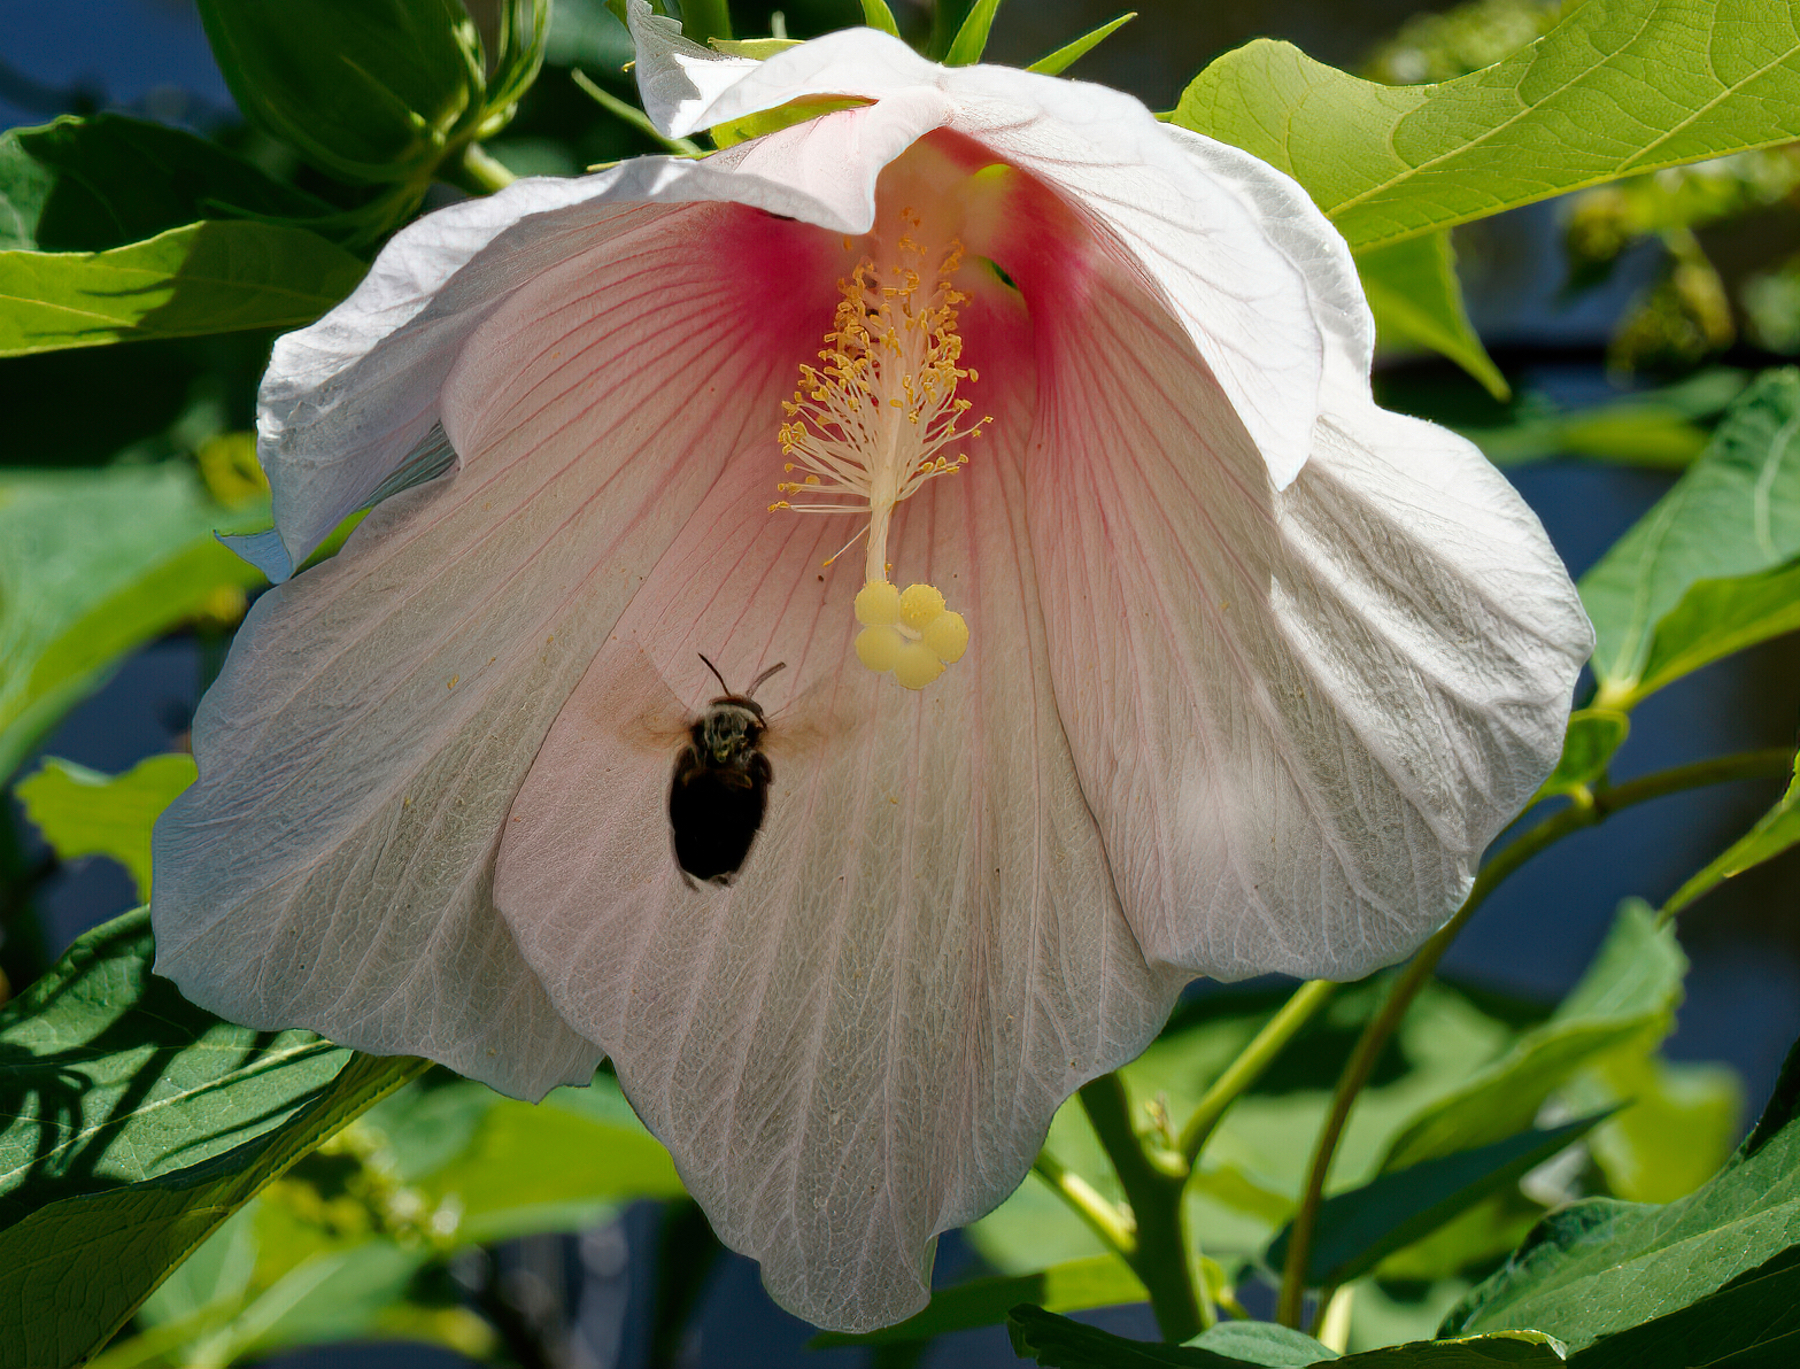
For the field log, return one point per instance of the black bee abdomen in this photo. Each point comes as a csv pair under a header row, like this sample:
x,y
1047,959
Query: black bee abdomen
x,y
715,812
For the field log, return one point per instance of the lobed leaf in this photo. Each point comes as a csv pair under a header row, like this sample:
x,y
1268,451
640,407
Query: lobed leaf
x,y
84,813
203,278
1619,87
1735,513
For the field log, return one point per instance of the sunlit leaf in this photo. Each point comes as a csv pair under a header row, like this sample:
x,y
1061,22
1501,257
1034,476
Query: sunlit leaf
x,y
1752,1321
92,565
84,813
1600,1267
971,38
1735,513
1661,429
1621,86
1418,302
186,282
1056,63
1677,1124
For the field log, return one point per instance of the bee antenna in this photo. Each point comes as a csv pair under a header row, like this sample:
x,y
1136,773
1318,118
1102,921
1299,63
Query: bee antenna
x,y
756,683
720,678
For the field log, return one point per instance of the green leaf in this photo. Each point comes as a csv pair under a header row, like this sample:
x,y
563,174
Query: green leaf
x,y
1735,513
1776,831
877,15
1063,1344
1056,63
1661,429
84,185
555,1166
1073,1286
1677,1123
84,813
1594,735
1628,995
1255,1161
1360,1228
93,564
135,1124
1716,618
1600,1267
1262,1342
1753,1320
1418,301
971,39
186,282
1621,86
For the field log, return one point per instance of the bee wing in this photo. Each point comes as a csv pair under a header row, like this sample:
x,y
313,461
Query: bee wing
x,y
822,714
641,710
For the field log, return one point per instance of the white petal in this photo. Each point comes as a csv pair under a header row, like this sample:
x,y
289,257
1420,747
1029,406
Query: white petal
x,y
347,399
674,76
1240,255
1299,716
332,868
861,1043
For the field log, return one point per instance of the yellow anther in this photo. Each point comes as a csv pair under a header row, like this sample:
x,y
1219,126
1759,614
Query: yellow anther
x,y
920,605
948,636
916,666
879,647
878,604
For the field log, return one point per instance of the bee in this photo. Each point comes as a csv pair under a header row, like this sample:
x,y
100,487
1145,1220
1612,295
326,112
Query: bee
x,y
720,789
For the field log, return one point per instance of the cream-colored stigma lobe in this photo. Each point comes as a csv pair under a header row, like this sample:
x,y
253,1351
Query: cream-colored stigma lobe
x,y
876,421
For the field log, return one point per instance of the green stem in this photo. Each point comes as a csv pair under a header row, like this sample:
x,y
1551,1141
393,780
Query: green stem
x,y
1102,1217
1587,810
1160,1257
476,172
1244,1071
704,19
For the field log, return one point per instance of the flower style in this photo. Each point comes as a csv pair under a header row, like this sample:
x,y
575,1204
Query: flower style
x,y
1254,670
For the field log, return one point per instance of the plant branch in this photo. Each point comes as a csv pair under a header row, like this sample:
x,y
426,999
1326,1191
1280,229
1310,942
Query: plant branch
x,y
1160,1256
1256,1057
1589,809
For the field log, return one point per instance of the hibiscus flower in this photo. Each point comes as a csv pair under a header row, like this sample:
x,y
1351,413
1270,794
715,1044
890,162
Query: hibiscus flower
x,y
1159,650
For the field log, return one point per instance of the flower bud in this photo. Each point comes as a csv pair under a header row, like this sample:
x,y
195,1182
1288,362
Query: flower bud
x,y
376,90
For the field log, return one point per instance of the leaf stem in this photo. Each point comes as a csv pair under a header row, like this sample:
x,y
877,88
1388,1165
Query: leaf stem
x,y
1159,1256
1256,1057
1589,808
1103,1217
